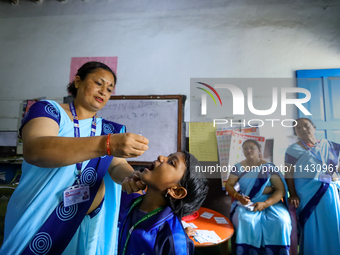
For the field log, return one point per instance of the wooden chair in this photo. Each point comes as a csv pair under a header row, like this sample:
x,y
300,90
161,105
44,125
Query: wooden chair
x,y
293,236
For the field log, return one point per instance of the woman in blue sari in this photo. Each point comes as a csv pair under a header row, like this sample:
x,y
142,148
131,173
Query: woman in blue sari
x,y
49,212
314,190
263,227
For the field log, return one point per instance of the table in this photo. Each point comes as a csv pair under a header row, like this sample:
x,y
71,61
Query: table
x,y
224,231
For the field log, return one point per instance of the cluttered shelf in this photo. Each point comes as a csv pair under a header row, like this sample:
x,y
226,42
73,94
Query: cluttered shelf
x,y
10,172
10,169
12,160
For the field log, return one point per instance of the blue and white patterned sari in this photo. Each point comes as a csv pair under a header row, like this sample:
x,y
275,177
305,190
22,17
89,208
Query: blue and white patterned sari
x,y
319,209
36,220
265,232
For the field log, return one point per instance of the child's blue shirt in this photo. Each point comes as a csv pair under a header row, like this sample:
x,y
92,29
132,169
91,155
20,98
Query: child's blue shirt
x,y
159,234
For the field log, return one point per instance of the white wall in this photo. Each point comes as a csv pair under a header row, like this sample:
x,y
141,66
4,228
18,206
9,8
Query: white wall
x,y
160,44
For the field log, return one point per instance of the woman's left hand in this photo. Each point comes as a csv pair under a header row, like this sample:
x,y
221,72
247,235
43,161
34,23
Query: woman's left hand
x,y
259,206
190,231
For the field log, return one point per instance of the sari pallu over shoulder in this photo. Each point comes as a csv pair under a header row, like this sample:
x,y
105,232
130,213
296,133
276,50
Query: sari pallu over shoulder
x,y
253,183
40,195
267,231
312,188
318,212
58,230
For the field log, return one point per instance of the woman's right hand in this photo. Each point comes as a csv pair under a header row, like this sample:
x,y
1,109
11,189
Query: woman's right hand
x,y
294,200
243,199
128,145
133,183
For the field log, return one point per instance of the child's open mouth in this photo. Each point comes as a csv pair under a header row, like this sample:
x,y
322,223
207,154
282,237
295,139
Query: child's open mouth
x,y
152,166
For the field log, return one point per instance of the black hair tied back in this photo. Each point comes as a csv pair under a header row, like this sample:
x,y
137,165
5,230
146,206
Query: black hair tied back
x,y
196,185
84,70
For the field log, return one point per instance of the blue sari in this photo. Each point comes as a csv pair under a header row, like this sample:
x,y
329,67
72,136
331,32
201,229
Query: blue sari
x,y
265,232
37,222
319,209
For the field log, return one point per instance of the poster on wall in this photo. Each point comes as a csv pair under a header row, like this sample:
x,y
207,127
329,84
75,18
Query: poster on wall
x,y
77,62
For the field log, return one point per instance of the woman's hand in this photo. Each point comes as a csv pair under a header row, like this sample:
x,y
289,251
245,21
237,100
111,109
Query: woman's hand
x,y
289,176
294,200
243,199
259,206
128,145
133,183
190,231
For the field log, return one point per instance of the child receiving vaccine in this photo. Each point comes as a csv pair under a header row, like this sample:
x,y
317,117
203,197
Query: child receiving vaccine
x,y
151,224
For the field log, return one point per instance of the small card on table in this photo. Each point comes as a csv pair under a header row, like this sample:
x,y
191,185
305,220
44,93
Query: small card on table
x,y
221,220
206,215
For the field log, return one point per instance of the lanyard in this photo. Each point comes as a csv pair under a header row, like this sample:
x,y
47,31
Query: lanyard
x,y
317,156
138,200
77,134
309,149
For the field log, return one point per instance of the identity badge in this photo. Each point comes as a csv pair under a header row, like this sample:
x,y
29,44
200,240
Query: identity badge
x,y
76,194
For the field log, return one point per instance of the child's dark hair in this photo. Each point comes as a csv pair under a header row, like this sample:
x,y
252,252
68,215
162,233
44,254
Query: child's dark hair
x,y
84,70
195,184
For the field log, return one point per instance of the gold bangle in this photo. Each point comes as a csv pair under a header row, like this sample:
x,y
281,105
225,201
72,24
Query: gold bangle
x,y
235,194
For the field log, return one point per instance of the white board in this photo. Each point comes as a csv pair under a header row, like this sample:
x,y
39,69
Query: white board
x,y
157,120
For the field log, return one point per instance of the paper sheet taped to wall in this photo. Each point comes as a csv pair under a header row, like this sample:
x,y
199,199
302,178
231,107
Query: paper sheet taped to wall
x,y
202,141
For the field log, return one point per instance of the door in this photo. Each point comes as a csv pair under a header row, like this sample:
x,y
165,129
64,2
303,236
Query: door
x,y
324,105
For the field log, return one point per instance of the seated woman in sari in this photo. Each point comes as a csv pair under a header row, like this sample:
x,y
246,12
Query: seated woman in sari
x,y
264,228
312,165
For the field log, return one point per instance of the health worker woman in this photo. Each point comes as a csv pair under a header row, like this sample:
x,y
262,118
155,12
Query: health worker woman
x,y
68,197
265,226
313,191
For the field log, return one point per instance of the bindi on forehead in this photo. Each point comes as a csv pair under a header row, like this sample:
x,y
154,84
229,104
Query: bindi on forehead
x,y
107,82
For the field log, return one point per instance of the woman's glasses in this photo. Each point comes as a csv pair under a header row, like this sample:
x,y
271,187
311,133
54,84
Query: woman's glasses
x,y
252,148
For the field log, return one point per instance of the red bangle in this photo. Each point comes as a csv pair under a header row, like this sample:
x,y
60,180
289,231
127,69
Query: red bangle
x,y
108,144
